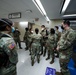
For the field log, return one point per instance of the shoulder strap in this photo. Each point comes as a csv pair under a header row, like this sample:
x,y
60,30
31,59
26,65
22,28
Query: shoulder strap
x,y
3,35
0,35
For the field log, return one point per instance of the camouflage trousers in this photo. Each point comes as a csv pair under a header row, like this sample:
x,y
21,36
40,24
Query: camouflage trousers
x,y
63,60
43,50
35,51
26,43
50,52
17,41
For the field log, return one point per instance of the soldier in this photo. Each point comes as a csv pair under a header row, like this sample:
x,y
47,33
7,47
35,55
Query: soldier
x,y
65,47
16,35
26,38
35,46
50,43
8,54
29,39
58,34
44,34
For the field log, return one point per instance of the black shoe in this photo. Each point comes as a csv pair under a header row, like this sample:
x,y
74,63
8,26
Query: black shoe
x,y
43,55
26,48
30,54
20,47
38,60
47,58
52,62
32,62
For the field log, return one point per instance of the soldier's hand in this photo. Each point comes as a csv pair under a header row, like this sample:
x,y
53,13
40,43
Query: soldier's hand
x,y
46,44
57,48
53,49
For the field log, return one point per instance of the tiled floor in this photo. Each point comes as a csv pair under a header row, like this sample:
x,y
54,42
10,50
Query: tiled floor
x,y
24,64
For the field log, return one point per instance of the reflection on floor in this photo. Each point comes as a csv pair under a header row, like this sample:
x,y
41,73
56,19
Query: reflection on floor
x,y
24,64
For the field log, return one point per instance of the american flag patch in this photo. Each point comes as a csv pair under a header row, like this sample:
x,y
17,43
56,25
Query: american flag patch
x,y
11,46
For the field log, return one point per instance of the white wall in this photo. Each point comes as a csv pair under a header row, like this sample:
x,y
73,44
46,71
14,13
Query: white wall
x,y
21,28
55,23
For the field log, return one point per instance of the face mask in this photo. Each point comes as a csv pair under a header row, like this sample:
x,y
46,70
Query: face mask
x,y
42,29
32,31
13,29
62,27
16,29
55,29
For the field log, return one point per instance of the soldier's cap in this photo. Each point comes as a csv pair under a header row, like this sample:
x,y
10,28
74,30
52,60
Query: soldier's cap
x,y
4,22
43,26
57,27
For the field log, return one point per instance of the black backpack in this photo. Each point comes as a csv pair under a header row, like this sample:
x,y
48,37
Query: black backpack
x,y
3,56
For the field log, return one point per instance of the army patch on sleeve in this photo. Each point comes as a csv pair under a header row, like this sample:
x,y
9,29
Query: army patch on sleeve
x,y
11,46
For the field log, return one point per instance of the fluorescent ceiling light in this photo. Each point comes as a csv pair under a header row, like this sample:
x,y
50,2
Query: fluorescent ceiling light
x,y
47,18
70,15
65,5
37,6
23,23
40,7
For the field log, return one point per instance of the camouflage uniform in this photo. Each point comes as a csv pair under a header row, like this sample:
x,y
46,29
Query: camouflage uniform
x,y
58,35
26,40
43,41
16,35
65,49
29,41
35,47
50,46
8,55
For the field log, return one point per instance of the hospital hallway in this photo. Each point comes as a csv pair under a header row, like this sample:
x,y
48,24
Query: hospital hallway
x,y
37,24
24,64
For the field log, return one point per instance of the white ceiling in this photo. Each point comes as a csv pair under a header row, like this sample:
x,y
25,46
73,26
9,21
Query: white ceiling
x,y
52,8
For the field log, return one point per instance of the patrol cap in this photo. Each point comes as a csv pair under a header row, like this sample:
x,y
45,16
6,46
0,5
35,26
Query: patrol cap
x,y
36,29
4,22
43,26
56,27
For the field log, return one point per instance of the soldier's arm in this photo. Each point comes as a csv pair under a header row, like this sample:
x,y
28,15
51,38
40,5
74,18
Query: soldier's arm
x,y
68,42
24,36
19,32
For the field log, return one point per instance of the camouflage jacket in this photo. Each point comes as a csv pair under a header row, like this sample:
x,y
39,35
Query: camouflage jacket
x,y
16,34
58,34
44,34
26,36
66,40
51,41
8,47
36,38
